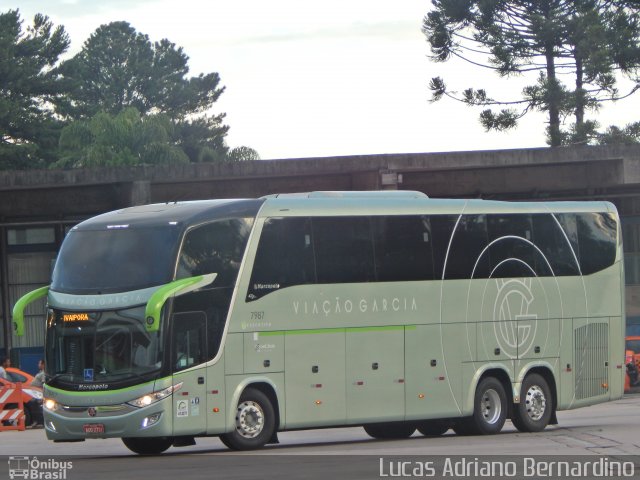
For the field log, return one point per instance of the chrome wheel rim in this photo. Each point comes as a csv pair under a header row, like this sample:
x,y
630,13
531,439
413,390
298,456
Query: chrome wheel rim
x,y
249,419
535,403
491,406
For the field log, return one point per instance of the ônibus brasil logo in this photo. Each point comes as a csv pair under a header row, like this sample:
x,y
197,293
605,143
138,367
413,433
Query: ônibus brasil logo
x,y
34,469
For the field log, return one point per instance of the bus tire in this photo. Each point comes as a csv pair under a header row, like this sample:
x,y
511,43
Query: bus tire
x,y
390,430
255,422
148,445
533,412
433,428
490,407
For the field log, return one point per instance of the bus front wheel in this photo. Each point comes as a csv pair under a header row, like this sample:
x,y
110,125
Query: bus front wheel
x,y
255,422
148,446
490,407
534,411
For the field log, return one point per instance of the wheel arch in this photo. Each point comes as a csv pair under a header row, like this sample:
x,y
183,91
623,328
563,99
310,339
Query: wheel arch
x,y
546,372
495,370
264,385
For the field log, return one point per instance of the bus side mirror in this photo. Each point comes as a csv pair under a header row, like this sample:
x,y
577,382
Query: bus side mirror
x,y
21,305
179,287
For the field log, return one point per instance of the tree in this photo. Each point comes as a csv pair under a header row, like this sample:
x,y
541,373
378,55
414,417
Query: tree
x,y
591,41
243,154
119,68
28,86
127,138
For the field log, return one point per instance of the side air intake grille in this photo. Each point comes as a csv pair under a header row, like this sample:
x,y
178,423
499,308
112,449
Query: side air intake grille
x,y
591,356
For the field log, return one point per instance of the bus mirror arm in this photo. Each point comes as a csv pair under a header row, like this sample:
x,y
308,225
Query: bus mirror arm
x,y
21,305
179,287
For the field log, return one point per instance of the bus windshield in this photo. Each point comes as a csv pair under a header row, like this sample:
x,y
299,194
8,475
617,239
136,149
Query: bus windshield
x,y
101,347
115,260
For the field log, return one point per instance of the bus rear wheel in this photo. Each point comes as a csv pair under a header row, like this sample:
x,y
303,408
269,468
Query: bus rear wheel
x,y
148,446
255,422
534,411
490,408
433,428
390,430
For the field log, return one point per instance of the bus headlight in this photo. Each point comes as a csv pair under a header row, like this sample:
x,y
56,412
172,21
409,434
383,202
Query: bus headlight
x,y
154,397
50,404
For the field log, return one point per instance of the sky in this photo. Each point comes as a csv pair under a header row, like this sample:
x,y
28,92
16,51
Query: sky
x,y
317,79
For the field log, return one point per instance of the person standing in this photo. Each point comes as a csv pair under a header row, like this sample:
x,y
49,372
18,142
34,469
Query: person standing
x,y
38,380
6,363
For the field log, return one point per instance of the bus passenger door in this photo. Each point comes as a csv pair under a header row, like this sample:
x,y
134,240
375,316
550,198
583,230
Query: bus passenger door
x,y
375,374
188,357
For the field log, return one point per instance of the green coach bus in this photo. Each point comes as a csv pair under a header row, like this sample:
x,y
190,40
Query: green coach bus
x,y
388,310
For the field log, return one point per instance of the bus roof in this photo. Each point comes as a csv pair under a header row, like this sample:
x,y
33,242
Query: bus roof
x,y
409,203
179,213
399,202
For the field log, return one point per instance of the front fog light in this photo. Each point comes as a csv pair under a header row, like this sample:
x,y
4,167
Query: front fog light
x,y
50,404
151,420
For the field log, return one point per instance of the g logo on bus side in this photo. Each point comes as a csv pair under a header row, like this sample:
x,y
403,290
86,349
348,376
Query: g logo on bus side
x,y
515,325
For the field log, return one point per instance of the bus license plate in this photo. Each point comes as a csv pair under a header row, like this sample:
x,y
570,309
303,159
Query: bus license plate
x,y
93,428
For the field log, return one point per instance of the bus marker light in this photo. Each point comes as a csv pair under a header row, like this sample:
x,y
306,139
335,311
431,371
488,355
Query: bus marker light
x,y
440,378
216,410
317,385
605,385
184,394
214,392
421,396
359,383
318,402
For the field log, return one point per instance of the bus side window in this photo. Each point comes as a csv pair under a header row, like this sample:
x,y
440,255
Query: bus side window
x,y
217,247
344,249
189,340
284,257
556,242
512,254
597,234
466,258
403,248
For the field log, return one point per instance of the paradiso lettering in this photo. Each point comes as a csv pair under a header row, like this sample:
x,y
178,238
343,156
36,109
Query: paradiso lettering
x,y
340,306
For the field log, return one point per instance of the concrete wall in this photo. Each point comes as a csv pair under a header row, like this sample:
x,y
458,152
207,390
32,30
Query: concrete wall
x,y
530,173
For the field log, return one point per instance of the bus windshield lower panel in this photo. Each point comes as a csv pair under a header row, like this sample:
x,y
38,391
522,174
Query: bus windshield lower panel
x,y
99,348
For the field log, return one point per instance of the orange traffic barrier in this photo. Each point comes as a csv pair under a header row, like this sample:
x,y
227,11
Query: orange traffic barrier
x,y
11,418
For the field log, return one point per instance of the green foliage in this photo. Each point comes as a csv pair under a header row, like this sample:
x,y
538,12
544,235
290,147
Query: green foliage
x,y
243,154
119,67
629,135
122,100
592,42
127,138
28,86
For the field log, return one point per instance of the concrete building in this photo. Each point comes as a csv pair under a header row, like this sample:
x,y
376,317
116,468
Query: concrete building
x,y
38,207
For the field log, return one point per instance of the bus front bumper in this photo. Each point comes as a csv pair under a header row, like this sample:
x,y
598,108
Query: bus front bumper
x,y
75,423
